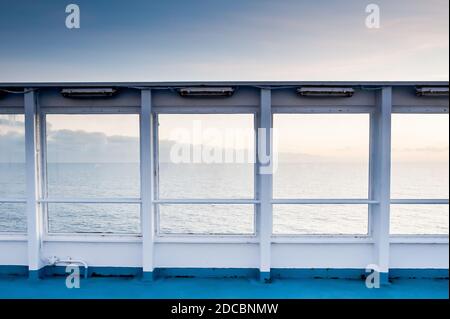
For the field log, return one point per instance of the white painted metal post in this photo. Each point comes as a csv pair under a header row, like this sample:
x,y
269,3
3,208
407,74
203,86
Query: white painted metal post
x,y
265,183
34,216
380,179
147,184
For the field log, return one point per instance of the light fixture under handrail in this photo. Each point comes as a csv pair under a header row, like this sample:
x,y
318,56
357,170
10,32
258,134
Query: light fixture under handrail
x,y
432,91
206,91
88,92
326,91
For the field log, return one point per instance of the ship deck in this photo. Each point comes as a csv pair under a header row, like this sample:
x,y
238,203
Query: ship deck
x,y
223,288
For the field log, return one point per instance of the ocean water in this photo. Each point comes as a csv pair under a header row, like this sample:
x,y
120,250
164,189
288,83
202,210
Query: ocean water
x,y
227,181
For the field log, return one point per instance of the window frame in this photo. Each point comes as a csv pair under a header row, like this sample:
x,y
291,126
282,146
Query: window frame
x,y
13,200
369,238
44,200
157,202
276,109
329,238
419,238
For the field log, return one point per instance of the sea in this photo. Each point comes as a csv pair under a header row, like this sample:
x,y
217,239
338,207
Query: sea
x,y
333,180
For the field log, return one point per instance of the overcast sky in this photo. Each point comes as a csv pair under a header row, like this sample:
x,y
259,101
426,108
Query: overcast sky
x,y
195,40
141,40
115,138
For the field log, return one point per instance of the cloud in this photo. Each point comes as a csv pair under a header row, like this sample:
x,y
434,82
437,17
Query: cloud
x,y
66,146
12,148
10,123
429,149
69,146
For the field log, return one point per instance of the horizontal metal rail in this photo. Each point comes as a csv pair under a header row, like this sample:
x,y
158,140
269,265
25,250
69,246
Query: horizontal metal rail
x,y
13,201
323,201
228,201
315,109
206,201
419,239
176,84
207,239
419,201
317,239
129,110
90,201
401,109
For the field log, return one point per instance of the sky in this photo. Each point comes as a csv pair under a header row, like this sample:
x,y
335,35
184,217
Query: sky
x,y
300,138
206,40
420,138
236,40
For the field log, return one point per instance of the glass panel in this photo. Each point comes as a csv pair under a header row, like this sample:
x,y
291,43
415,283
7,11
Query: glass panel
x,y
13,218
419,219
93,180
320,219
94,218
206,219
93,156
322,156
206,156
12,156
420,156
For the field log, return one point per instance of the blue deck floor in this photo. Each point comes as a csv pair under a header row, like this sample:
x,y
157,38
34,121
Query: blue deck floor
x,y
179,288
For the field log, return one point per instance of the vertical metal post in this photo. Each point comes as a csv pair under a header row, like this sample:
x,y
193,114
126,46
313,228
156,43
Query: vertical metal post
x,y
147,183
32,155
380,179
43,171
265,178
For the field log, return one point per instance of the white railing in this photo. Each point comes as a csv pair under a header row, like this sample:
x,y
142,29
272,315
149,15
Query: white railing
x,y
420,201
90,201
13,201
324,201
378,201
